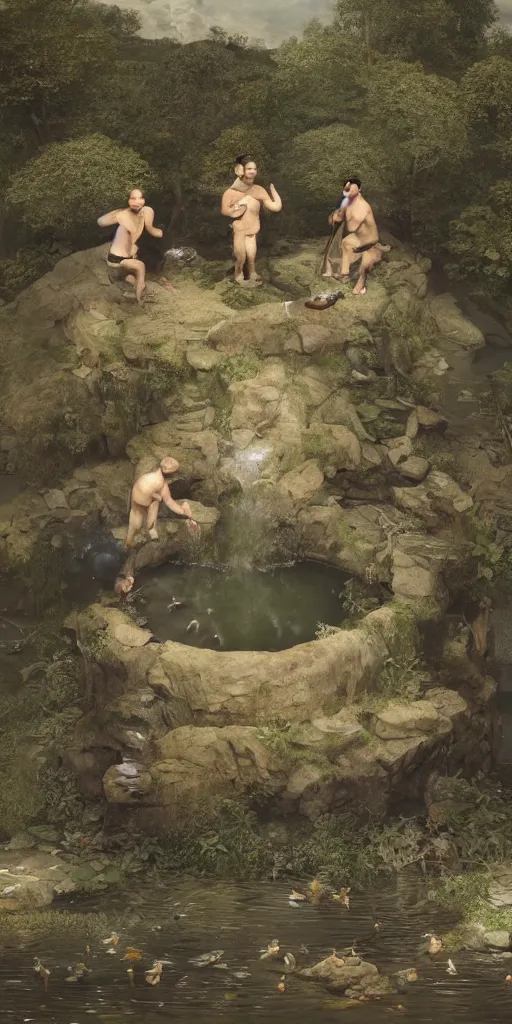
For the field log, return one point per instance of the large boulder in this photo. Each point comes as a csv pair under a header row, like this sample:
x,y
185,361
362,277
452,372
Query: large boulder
x,y
437,496
30,879
401,721
342,974
453,325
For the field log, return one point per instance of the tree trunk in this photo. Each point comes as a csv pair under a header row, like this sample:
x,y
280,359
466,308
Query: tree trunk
x,y
177,211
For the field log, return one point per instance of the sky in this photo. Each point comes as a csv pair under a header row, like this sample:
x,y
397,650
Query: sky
x,y
265,20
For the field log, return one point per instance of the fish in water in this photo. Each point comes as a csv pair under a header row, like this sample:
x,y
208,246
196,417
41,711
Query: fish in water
x,y
451,969
174,604
324,300
193,626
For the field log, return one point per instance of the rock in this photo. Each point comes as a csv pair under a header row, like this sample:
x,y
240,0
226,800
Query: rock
x,y
304,483
500,889
453,325
399,453
411,582
412,427
333,734
339,974
345,449
428,419
314,338
497,939
55,499
399,721
43,877
127,783
131,636
202,358
414,468
338,409
437,494
192,763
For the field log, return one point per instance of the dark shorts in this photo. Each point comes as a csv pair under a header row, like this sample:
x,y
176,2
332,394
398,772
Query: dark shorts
x,y
114,260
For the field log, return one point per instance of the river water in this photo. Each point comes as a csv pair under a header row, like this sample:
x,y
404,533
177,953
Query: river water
x,y
241,920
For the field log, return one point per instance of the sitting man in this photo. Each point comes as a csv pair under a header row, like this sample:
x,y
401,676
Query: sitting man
x,y
362,236
147,493
131,222
242,202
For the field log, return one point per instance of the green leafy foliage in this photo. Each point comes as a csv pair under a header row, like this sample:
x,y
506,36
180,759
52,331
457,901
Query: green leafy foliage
x,y
63,188
320,161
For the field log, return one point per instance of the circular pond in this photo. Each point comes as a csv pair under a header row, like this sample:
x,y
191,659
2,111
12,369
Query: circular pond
x,y
241,609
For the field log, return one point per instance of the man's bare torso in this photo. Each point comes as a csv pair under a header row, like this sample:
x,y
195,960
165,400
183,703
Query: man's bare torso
x,y
361,222
249,223
128,232
146,488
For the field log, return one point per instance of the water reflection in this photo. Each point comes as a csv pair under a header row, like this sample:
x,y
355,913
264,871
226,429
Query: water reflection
x,y
177,921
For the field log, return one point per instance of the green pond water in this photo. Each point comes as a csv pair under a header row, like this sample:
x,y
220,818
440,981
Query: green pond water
x,y
241,609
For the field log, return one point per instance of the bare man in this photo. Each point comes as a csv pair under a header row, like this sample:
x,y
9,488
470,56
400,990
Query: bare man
x,y
131,222
147,493
362,237
245,212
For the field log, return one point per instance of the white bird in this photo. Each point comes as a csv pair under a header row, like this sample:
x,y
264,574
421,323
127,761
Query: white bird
x,y
193,625
451,969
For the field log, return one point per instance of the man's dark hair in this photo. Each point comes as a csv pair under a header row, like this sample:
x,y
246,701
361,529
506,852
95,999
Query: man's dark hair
x,y
354,181
244,159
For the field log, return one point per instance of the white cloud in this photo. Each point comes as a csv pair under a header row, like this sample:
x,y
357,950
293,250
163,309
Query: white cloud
x,y
191,19
267,20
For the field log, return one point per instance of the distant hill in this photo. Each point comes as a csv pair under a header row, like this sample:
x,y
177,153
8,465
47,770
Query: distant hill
x,y
191,19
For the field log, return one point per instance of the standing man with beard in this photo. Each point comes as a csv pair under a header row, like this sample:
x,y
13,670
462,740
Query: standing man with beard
x,y
131,222
242,202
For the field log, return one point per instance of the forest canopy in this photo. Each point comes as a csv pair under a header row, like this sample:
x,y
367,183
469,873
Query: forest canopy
x,y
415,98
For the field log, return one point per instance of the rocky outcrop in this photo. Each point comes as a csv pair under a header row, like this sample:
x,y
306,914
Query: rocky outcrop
x,y
30,880
185,725
283,409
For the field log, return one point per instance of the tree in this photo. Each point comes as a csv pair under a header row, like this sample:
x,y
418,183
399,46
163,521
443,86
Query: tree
x,y
317,80
175,108
445,35
69,184
421,125
320,161
218,165
486,91
481,241
49,47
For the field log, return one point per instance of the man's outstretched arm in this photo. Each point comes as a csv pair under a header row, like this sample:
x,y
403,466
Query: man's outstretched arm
x,y
172,504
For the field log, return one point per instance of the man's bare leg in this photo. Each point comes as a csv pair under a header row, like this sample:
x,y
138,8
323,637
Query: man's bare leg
x,y
152,518
348,256
138,273
251,249
240,256
135,522
368,262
